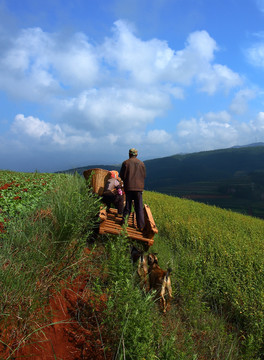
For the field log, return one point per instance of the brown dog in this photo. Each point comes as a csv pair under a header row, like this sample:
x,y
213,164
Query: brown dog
x,y
142,269
160,281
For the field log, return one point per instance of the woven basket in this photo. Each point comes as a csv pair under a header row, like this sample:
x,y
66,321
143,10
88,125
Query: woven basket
x,y
98,179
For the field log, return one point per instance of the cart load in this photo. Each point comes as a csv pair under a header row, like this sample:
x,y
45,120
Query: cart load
x,y
110,222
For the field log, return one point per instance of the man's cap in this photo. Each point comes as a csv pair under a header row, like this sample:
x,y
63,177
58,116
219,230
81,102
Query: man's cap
x,y
133,152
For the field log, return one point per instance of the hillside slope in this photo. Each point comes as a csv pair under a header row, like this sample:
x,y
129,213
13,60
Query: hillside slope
x,y
229,178
201,166
217,261
54,260
204,166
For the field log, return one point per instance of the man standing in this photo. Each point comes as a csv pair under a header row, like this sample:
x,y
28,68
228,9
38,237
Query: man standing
x,y
133,173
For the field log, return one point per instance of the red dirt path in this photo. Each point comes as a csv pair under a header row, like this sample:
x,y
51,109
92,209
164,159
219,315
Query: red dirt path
x,y
74,330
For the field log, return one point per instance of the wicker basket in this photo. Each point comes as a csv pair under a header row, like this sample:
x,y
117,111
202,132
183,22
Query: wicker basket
x,y
98,179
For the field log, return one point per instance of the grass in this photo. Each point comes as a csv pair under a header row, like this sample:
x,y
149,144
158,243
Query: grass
x,y
217,257
217,261
41,248
130,317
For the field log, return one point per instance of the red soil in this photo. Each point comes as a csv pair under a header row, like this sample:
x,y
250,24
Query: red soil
x,y
74,329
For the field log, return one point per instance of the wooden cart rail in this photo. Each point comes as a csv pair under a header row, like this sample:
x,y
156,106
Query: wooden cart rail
x,y
111,224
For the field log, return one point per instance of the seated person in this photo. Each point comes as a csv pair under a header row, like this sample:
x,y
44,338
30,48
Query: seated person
x,y
113,193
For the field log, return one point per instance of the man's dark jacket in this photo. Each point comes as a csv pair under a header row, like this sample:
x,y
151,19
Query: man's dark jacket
x,y
133,173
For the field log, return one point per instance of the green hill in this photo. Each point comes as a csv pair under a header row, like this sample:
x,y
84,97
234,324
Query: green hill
x,y
52,251
228,178
55,262
217,262
205,166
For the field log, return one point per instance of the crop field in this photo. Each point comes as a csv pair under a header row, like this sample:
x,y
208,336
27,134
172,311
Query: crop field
x,y
216,256
20,192
210,193
218,261
42,216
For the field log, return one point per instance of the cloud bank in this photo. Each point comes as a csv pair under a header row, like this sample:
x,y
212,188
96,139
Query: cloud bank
x,y
104,98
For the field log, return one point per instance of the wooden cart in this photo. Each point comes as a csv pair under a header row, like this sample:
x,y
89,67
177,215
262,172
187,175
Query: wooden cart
x,y
110,222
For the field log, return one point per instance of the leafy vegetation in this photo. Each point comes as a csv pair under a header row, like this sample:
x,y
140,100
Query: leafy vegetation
x,y
41,247
216,256
130,316
21,192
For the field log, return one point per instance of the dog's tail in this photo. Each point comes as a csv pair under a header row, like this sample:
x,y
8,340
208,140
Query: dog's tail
x,y
169,270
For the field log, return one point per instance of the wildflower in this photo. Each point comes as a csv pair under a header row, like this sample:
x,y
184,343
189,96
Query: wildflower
x,y
2,227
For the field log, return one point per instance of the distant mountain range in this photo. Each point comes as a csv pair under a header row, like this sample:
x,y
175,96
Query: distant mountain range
x,y
250,145
207,166
231,178
200,166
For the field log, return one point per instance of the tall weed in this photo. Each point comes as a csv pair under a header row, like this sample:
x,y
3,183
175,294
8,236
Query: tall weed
x,y
132,317
41,245
128,311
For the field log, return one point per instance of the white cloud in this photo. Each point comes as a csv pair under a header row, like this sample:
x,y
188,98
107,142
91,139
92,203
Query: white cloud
x,y
31,126
29,50
144,61
218,77
219,117
205,133
255,54
38,64
202,44
152,61
105,96
117,109
157,137
39,130
218,130
239,104
76,62
258,124
47,67
210,131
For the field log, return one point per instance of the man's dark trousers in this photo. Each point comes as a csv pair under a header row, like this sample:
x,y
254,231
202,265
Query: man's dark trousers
x,y
138,204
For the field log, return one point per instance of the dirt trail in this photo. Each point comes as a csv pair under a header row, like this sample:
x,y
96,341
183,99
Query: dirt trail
x,y
74,331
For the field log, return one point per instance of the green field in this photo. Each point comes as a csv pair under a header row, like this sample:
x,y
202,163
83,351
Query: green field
x,y
216,193
216,258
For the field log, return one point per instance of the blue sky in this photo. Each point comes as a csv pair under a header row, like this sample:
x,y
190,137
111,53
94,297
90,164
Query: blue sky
x,y
83,81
